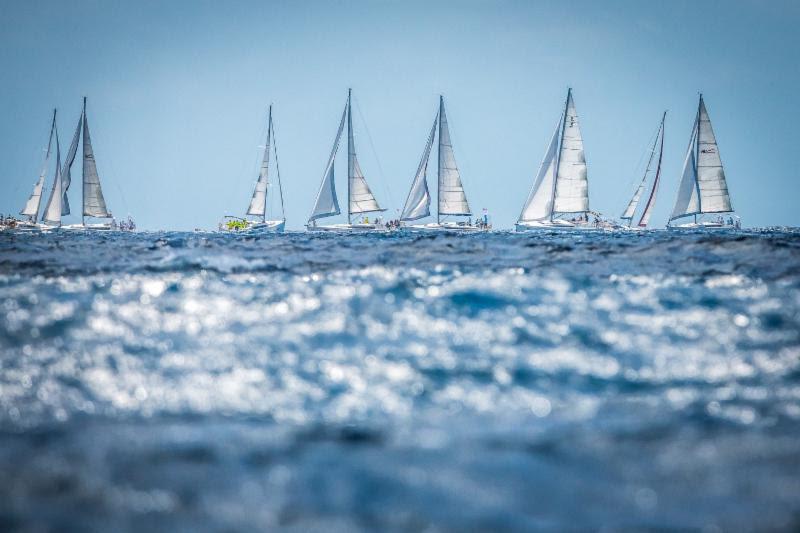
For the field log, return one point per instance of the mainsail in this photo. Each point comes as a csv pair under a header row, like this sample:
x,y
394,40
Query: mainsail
x,y
327,204
66,171
258,203
94,205
360,197
418,203
630,210
572,186
539,205
452,200
33,204
52,213
703,187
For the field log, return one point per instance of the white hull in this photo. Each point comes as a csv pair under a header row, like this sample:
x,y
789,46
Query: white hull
x,y
347,228
444,226
102,226
702,225
268,226
555,225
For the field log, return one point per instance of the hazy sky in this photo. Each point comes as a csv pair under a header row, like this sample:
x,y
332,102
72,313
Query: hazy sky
x,y
178,93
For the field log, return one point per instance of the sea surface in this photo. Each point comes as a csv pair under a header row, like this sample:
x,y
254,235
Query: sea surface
x,y
493,382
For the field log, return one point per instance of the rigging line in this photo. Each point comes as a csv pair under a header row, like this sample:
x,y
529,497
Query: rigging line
x,y
277,167
384,182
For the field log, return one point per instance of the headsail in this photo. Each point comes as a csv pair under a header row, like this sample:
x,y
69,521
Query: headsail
x,y
360,197
52,213
33,204
688,202
452,199
66,171
714,197
418,203
258,203
644,218
327,204
540,200
94,205
630,210
572,185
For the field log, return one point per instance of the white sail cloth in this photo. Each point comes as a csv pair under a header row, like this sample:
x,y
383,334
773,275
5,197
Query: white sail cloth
x,y
452,199
66,171
418,203
645,183
572,185
258,203
688,202
52,213
94,205
539,205
33,204
327,204
360,197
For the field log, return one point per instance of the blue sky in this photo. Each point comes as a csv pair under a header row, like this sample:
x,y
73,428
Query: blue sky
x,y
178,95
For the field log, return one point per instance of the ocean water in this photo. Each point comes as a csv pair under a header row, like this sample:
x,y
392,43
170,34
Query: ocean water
x,y
196,381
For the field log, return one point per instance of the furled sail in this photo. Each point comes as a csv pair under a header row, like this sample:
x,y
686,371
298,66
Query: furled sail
x,y
33,204
688,202
52,212
572,186
94,205
361,199
66,171
258,203
711,182
418,203
452,199
540,200
327,204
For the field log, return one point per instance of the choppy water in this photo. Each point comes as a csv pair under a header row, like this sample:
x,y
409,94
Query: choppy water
x,y
184,382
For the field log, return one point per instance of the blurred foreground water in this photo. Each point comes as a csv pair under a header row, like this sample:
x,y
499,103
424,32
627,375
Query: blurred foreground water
x,y
185,382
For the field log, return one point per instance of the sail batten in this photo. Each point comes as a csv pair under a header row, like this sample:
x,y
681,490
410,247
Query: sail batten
x,y
572,186
418,202
258,202
33,205
452,198
326,203
94,204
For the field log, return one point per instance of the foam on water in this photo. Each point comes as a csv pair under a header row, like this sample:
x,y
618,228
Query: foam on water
x,y
320,382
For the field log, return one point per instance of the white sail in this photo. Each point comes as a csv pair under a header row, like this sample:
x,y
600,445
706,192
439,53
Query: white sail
x,y
418,203
631,209
452,199
540,200
644,218
361,199
572,186
688,202
94,205
52,213
66,171
258,203
33,204
327,204
711,182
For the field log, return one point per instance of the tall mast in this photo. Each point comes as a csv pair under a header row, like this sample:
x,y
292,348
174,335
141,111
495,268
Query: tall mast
x,y
558,153
269,132
83,171
350,150
439,166
697,157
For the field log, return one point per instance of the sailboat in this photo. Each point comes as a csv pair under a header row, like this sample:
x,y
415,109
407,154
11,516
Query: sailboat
x,y
559,198
643,217
33,206
703,189
258,202
451,199
360,200
94,204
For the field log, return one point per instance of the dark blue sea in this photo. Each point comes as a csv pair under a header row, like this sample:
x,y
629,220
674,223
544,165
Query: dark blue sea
x,y
493,382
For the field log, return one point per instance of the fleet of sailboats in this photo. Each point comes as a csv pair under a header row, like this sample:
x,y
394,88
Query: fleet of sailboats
x,y
558,199
259,200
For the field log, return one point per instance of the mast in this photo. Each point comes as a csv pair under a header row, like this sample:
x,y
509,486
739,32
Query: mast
x,y
697,158
350,152
558,153
83,175
269,132
277,167
439,167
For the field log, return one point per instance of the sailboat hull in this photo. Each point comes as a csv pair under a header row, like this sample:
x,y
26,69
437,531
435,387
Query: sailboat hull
x,y
347,228
101,226
444,226
255,228
702,226
554,225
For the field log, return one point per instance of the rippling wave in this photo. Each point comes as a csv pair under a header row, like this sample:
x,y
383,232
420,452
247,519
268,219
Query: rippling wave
x,y
185,381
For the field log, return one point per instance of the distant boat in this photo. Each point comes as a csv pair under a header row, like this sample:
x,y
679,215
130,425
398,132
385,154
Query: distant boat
x,y
94,204
559,198
360,200
451,199
703,189
33,205
258,202
643,217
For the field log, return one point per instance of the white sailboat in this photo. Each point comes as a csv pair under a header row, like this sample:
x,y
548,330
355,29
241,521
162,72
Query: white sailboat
x,y
703,191
360,200
451,199
559,198
33,206
642,217
258,202
94,203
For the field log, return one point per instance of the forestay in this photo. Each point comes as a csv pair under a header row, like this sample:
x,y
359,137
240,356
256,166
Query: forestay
x,y
452,199
572,186
418,203
327,204
539,205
